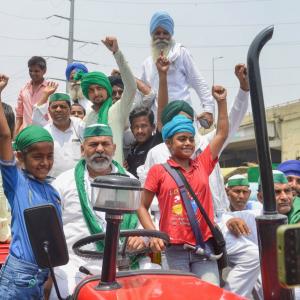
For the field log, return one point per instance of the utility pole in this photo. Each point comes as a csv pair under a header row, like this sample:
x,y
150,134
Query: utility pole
x,y
70,39
71,32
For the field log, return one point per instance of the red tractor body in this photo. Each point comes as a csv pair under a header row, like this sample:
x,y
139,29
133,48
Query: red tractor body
x,y
147,285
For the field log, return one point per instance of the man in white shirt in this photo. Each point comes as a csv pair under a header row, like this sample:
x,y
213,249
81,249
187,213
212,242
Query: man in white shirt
x,y
79,219
67,133
183,72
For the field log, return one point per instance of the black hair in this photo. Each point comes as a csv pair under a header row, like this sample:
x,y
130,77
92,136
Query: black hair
x,y
141,111
10,117
116,80
77,104
37,61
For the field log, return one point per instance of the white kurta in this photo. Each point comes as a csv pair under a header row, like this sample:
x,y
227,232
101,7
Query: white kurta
x,y
75,228
182,75
67,143
119,112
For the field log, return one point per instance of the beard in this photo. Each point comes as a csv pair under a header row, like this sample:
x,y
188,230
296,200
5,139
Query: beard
x,y
161,44
98,166
75,91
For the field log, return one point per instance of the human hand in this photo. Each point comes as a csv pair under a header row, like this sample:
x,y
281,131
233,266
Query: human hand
x,y
111,43
219,93
238,226
156,245
135,243
115,72
3,82
125,164
207,117
242,75
50,88
162,63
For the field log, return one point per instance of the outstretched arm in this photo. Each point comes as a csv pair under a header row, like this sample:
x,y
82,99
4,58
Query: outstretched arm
x,y
240,104
218,141
124,105
162,65
41,108
6,151
199,84
49,89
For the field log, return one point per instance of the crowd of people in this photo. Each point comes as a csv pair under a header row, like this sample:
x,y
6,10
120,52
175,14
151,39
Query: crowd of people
x,y
57,143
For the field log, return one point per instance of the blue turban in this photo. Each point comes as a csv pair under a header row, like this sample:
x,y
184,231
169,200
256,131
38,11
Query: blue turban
x,y
162,19
179,123
290,167
75,66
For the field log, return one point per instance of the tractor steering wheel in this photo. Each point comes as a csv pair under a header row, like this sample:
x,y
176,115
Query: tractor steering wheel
x,y
123,234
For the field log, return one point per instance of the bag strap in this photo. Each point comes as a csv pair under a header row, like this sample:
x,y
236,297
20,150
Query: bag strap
x,y
202,210
187,203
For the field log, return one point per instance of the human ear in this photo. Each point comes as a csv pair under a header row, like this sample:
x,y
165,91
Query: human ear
x,y
82,150
114,149
20,156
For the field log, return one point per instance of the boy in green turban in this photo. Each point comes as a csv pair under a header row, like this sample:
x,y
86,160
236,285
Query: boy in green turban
x,y
24,189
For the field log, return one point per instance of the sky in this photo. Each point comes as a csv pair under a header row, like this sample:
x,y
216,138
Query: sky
x,y
208,28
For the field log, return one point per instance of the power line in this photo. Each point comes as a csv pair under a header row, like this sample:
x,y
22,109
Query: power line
x,y
146,24
21,39
180,3
134,45
187,25
22,17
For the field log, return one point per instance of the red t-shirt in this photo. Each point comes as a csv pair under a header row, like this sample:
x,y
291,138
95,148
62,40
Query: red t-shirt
x,y
173,217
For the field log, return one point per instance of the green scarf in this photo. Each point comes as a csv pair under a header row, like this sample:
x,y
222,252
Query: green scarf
x,y
294,214
130,221
103,111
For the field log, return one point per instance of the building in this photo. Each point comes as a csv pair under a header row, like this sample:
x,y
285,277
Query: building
x,y
283,123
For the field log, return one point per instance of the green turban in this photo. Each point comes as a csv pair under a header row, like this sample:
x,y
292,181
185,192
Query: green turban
x,y
278,177
174,108
59,97
97,130
102,80
30,135
237,180
90,78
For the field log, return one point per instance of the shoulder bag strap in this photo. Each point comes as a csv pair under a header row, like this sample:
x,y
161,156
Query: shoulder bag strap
x,y
202,210
187,203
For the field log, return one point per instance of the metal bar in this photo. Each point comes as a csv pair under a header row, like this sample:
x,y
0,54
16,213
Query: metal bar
x,y
267,223
259,118
71,32
108,275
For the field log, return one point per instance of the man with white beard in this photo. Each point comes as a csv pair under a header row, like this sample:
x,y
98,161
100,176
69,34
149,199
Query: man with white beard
x,y
79,219
183,72
74,86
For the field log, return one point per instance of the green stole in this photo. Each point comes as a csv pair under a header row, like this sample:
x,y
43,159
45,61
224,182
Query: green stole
x,y
130,221
294,214
103,111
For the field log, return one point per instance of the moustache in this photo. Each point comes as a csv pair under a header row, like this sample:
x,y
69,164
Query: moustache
x,y
98,155
161,42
